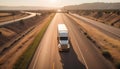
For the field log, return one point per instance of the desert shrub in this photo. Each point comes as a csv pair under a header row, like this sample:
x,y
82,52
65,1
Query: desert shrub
x,y
0,33
117,64
107,55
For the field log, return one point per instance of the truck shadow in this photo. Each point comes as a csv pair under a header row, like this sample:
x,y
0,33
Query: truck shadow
x,y
70,60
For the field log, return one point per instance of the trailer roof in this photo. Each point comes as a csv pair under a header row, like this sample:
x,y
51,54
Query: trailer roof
x,y
62,27
62,30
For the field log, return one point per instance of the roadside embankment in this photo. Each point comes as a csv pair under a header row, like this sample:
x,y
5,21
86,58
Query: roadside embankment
x,y
109,17
17,30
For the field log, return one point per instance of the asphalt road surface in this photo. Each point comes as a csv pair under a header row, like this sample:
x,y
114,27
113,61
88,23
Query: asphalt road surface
x,y
83,53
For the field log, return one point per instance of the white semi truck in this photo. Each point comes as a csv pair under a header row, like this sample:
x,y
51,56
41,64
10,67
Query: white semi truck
x,y
63,38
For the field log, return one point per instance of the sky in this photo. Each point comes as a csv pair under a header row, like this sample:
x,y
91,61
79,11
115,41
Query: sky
x,y
49,3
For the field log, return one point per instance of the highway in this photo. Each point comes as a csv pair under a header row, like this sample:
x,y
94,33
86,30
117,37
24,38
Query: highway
x,y
12,21
107,29
83,53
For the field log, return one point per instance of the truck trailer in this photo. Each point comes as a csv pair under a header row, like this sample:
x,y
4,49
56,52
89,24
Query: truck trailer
x,y
63,38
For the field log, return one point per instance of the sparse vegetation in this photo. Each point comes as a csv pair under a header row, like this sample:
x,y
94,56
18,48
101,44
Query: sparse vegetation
x,y
109,17
11,15
107,45
22,22
107,55
25,59
20,27
11,31
117,64
0,33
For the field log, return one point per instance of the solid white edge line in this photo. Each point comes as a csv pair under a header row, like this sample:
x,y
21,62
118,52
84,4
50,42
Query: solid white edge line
x,y
83,57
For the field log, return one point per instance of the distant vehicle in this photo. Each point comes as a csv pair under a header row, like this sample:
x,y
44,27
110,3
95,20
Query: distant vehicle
x,y
63,38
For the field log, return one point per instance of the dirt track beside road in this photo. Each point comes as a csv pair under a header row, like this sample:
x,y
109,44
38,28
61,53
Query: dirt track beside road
x,y
20,46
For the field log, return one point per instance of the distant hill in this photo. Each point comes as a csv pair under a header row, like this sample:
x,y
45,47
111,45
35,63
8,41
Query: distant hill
x,y
24,8
91,6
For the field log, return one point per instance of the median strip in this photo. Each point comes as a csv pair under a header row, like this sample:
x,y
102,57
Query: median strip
x,y
26,58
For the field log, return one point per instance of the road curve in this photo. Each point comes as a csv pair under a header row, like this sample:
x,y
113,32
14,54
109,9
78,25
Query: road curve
x,y
82,55
12,21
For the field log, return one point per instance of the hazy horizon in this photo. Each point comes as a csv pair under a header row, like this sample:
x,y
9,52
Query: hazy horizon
x,y
50,3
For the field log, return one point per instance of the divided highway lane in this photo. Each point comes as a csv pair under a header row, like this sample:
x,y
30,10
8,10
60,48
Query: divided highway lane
x,y
47,52
82,54
90,54
109,30
47,55
12,21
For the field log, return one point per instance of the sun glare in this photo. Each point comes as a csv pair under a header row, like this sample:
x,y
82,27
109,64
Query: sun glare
x,y
53,1
59,10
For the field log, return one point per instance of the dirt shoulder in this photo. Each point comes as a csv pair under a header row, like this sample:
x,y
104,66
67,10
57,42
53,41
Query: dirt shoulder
x,y
101,40
20,46
4,14
109,17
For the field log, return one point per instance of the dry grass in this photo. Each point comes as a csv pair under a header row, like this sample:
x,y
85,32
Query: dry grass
x,y
7,32
4,14
21,46
106,42
8,18
26,57
111,18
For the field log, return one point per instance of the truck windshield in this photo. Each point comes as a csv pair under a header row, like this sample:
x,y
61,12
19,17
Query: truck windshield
x,y
63,38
